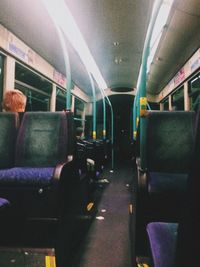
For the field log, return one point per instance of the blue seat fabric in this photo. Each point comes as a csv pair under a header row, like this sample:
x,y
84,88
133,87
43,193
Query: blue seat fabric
x,y
33,183
26,176
162,237
3,202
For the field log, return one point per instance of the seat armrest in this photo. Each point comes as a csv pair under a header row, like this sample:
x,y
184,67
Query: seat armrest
x,y
59,167
142,181
90,164
138,161
142,178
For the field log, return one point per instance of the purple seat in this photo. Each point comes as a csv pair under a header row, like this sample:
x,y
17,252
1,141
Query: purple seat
x,y
162,237
169,148
26,176
3,203
177,245
41,165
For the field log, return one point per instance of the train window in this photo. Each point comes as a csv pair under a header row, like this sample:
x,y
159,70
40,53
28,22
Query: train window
x,y
1,78
60,99
178,99
37,89
153,106
99,119
37,102
166,103
79,106
194,92
78,112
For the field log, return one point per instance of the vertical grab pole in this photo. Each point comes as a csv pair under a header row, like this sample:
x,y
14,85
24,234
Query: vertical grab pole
x,y
94,135
135,109
112,133
135,117
142,87
141,90
112,124
104,114
68,69
104,118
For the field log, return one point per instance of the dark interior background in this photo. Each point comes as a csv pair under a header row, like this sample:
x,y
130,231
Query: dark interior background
x,y
122,108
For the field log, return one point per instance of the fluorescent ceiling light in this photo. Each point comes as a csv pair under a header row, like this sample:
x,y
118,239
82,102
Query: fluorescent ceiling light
x,y
63,18
158,29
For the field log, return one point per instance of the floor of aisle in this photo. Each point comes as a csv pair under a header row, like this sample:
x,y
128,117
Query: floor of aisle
x,y
107,243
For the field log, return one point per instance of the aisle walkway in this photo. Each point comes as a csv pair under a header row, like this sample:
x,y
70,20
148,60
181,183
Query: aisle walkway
x,y
107,243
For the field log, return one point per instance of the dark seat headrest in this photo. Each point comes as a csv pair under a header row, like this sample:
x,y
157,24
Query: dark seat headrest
x,y
42,140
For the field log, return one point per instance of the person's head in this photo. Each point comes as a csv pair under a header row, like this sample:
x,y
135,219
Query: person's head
x,y
14,101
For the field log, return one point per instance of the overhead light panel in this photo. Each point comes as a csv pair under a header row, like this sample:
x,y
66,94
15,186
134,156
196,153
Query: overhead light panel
x,y
63,18
118,60
116,43
158,29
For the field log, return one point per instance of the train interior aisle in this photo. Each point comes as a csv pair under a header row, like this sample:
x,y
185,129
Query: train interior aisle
x,y
102,237
101,234
99,133
107,242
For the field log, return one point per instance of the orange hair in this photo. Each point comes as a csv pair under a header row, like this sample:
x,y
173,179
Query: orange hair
x,y
14,101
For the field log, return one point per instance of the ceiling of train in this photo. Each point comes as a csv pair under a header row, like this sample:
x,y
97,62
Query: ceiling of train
x,y
114,31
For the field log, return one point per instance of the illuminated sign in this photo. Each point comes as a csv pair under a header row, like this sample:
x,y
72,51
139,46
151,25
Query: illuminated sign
x,y
195,61
20,50
180,76
59,78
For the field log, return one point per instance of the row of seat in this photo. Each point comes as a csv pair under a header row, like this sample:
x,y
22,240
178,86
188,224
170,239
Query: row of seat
x,y
4,203
162,187
96,150
169,147
44,178
39,166
177,244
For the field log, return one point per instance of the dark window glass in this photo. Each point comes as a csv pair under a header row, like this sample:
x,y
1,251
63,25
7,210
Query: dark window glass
x,y
78,111
178,99
166,104
153,106
60,99
37,89
194,92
